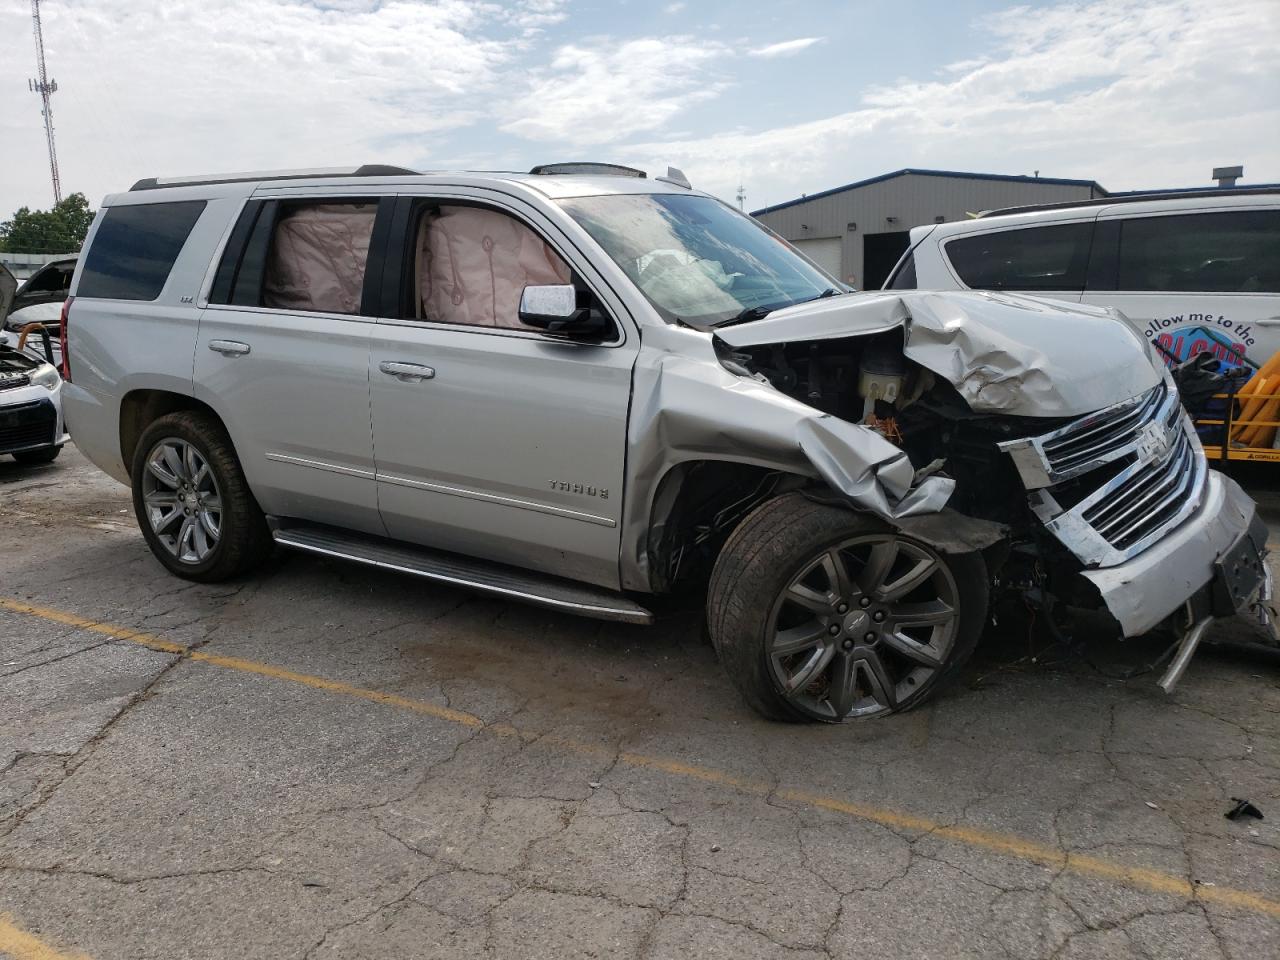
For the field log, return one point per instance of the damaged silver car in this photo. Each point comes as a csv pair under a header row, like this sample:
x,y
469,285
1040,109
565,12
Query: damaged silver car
x,y
580,386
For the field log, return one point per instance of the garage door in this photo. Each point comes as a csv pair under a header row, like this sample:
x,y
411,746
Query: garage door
x,y
825,252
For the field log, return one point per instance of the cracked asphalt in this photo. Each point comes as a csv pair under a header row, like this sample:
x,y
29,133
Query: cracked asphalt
x,y
331,762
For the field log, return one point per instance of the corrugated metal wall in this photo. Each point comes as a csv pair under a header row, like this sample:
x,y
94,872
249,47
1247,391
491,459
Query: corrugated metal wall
x,y
913,199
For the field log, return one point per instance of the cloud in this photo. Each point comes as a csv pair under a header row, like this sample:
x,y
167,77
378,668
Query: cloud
x,y
786,48
606,90
672,8
153,88
1131,93
1134,93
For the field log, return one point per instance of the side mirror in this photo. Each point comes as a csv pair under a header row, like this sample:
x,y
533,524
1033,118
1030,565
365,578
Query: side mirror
x,y
561,308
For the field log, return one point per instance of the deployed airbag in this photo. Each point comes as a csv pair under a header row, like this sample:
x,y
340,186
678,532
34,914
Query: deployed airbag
x,y
317,258
475,263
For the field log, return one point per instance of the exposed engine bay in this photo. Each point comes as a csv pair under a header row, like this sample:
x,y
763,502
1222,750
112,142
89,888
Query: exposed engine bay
x,y
15,367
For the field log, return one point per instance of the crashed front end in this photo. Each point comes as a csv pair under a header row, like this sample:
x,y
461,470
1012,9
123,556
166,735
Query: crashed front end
x,y
1046,436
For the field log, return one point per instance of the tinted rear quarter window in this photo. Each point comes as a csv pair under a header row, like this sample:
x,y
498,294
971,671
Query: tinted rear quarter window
x,y
135,248
1235,252
1035,258
904,278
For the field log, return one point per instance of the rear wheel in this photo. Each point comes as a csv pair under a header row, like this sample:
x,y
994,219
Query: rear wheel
x,y
192,502
821,613
43,455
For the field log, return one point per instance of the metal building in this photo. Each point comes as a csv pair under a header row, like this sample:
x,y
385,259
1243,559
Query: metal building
x,y
857,232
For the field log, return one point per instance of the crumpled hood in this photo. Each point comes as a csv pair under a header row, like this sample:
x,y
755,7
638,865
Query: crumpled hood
x,y
1008,354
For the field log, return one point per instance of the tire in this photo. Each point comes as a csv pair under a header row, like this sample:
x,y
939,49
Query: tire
x,y
855,651
228,534
43,455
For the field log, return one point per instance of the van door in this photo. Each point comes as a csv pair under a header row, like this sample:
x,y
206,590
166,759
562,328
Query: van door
x,y
1196,280
283,356
494,439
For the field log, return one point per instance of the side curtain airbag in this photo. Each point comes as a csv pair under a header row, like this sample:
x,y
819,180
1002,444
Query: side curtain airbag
x,y
318,257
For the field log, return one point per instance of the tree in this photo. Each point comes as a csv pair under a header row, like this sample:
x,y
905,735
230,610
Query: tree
x,y
60,230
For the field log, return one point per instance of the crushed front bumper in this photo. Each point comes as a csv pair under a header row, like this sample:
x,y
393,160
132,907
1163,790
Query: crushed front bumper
x,y
1146,589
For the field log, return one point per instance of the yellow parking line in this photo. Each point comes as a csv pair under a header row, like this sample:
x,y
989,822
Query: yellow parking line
x,y
20,945
1001,844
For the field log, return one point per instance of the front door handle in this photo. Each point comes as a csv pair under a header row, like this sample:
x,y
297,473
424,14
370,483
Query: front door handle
x,y
1268,321
407,372
229,348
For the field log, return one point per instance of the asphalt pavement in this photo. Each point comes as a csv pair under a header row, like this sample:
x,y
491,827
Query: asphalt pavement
x,y
325,761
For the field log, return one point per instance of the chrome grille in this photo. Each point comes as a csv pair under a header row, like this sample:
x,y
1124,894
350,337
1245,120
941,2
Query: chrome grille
x,y
1095,439
1155,482
1147,498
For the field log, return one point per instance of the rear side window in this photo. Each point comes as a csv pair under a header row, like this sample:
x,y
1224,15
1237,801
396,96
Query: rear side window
x,y
904,278
1237,252
135,248
318,256
1036,258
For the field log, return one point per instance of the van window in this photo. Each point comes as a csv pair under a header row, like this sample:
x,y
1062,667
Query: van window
x,y
1035,258
318,256
1237,252
904,278
135,248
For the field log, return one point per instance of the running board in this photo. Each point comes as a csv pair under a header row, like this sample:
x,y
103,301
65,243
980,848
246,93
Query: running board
x,y
513,583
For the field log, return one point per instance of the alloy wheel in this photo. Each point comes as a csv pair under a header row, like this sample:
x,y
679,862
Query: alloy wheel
x,y
182,501
863,626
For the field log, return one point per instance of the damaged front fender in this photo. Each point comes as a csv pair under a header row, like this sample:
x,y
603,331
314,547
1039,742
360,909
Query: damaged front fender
x,y
686,407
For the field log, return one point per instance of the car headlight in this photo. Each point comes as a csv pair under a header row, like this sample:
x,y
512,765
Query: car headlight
x,y
46,375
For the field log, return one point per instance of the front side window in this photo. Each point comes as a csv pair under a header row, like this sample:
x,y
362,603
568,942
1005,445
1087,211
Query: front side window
x,y
317,257
1237,252
473,263
134,249
696,259
1035,258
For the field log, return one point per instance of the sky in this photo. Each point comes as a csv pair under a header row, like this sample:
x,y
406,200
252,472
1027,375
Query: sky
x,y
783,99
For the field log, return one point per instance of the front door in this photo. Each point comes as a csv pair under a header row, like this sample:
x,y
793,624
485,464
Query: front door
x,y
284,358
493,439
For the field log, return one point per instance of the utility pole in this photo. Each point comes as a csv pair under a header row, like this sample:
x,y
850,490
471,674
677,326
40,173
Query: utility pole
x,y
46,88
742,196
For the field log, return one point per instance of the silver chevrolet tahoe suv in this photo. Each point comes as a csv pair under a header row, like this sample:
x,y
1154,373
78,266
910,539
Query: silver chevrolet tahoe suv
x,y
581,386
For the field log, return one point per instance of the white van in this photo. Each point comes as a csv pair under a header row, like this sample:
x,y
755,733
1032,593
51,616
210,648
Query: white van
x,y
1194,270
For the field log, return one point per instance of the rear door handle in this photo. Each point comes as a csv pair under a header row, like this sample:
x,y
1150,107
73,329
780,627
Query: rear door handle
x,y
407,372
229,348
1268,321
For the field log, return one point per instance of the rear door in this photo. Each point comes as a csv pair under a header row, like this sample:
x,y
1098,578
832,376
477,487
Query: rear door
x,y
283,353
509,444
1194,277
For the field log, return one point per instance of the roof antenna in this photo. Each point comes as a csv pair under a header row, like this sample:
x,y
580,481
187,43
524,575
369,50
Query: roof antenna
x,y
676,175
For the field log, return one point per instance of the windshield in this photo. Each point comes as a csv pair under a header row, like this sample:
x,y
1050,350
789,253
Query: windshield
x,y
696,259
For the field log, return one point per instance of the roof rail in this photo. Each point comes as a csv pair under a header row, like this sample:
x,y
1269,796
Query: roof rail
x,y
587,167
365,170
1192,193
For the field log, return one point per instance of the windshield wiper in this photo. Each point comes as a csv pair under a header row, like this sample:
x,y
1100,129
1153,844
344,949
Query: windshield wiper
x,y
748,315
759,313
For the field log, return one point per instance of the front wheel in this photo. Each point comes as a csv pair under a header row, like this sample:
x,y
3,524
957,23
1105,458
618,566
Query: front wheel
x,y
821,613
192,501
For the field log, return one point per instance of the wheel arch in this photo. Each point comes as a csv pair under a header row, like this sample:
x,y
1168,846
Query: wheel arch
x,y
696,505
142,407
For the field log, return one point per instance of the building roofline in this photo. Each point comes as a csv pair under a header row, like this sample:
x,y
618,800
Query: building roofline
x,y
952,174
1208,190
